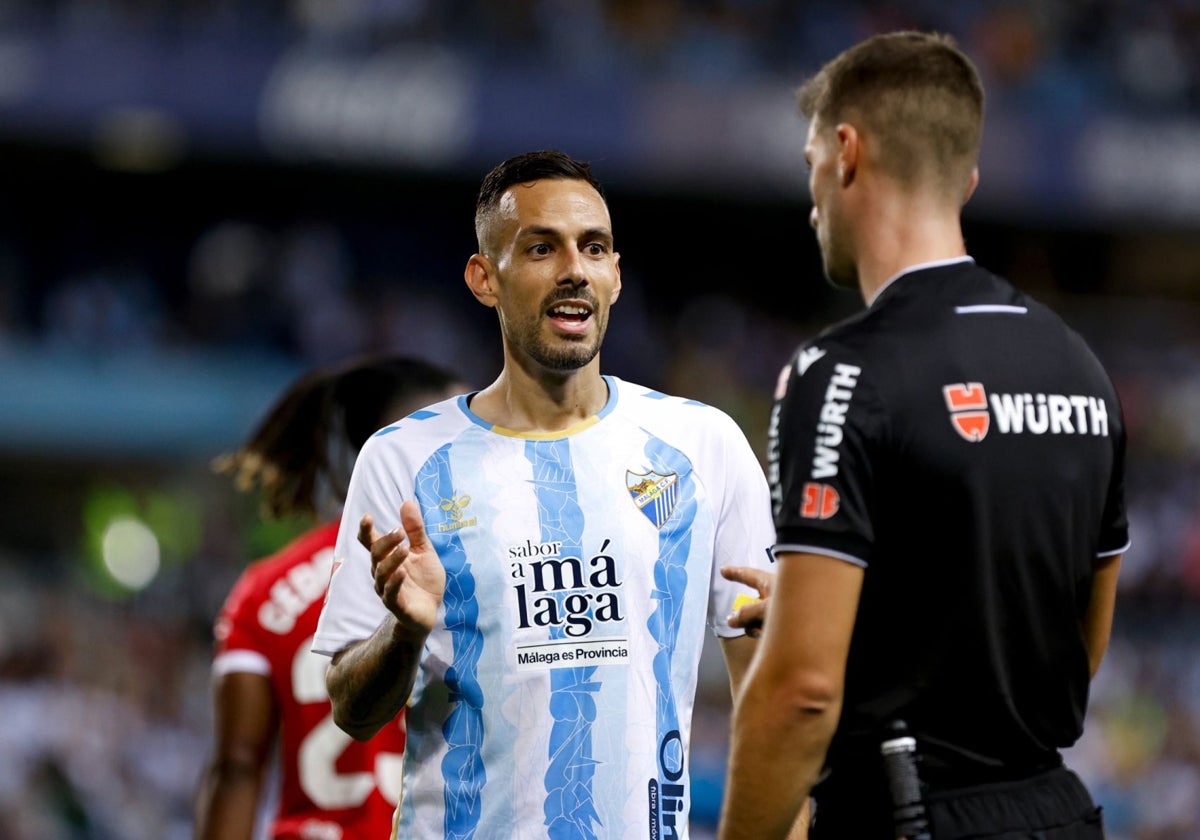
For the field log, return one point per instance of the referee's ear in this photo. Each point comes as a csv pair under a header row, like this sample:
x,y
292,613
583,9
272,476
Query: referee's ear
x,y
972,183
847,153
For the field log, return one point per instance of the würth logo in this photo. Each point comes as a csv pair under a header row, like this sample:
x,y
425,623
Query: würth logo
x,y
972,411
968,410
820,501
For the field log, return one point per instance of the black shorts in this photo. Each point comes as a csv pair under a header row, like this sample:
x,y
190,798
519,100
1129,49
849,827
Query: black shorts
x,y
1053,805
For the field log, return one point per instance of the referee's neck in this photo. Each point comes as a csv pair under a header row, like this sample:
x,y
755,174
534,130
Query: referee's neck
x,y
918,267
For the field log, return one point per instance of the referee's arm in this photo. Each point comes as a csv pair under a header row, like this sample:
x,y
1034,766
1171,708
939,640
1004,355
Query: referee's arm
x,y
787,709
1098,620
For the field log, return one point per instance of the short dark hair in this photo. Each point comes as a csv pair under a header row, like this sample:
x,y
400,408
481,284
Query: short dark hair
x,y
916,92
524,169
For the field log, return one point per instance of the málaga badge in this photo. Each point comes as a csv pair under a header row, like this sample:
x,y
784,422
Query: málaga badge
x,y
654,494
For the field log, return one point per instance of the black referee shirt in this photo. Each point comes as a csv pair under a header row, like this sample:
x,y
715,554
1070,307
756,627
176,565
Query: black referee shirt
x,y
966,448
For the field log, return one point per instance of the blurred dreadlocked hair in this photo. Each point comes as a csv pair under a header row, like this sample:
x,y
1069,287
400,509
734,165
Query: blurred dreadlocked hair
x,y
304,447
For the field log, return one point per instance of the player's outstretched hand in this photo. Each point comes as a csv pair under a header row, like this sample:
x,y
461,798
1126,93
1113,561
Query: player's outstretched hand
x,y
750,617
409,576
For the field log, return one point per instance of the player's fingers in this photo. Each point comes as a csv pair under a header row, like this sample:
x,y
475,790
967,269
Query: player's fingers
x,y
366,532
750,617
414,525
388,580
759,579
388,554
386,550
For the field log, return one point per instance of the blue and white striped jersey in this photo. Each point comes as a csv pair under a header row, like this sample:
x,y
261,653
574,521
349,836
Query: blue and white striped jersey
x,y
555,695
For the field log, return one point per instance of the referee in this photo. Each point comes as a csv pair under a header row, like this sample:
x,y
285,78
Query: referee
x,y
947,474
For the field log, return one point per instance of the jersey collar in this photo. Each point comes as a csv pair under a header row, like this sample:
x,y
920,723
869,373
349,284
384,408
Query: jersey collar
x,y
918,267
609,405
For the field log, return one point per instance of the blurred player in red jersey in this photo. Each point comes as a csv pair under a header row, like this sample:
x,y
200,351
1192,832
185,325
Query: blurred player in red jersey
x,y
267,685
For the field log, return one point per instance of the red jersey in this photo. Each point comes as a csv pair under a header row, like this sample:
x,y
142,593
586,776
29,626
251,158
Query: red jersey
x,y
331,786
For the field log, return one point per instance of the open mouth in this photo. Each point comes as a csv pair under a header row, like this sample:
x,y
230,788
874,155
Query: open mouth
x,y
570,312
571,318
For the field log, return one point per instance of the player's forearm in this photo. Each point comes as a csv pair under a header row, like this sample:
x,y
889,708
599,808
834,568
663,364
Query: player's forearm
x,y
228,803
776,754
738,652
370,682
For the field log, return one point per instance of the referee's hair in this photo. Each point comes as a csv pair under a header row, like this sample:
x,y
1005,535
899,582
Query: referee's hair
x,y
916,93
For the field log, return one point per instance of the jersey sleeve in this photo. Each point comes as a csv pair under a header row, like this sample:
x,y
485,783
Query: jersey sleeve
x,y
1114,533
238,637
745,532
352,610
823,424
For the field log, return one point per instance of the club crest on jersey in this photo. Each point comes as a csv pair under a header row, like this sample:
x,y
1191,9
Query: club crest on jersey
x,y
654,494
972,411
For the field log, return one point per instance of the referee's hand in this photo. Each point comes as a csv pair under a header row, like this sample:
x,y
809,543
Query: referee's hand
x,y
750,617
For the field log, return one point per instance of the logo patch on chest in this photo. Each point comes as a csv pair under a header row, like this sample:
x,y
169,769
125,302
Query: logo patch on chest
x,y
972,410
654,494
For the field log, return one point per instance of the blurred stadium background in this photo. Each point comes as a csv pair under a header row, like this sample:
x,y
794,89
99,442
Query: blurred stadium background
x,y
200,199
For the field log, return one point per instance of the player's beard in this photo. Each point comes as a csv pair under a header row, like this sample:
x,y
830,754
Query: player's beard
x,y
560,353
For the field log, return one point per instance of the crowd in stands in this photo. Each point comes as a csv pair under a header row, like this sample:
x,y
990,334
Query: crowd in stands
x,y
1053,56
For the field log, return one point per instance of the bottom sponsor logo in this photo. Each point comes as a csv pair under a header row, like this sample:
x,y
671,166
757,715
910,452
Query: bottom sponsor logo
x,y
667,808
568,654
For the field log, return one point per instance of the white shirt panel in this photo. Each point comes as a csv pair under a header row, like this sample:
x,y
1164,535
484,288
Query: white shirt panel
x,y
581,574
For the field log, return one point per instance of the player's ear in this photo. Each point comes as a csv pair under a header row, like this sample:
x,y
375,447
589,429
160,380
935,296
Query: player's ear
x,y
479,275
616,286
